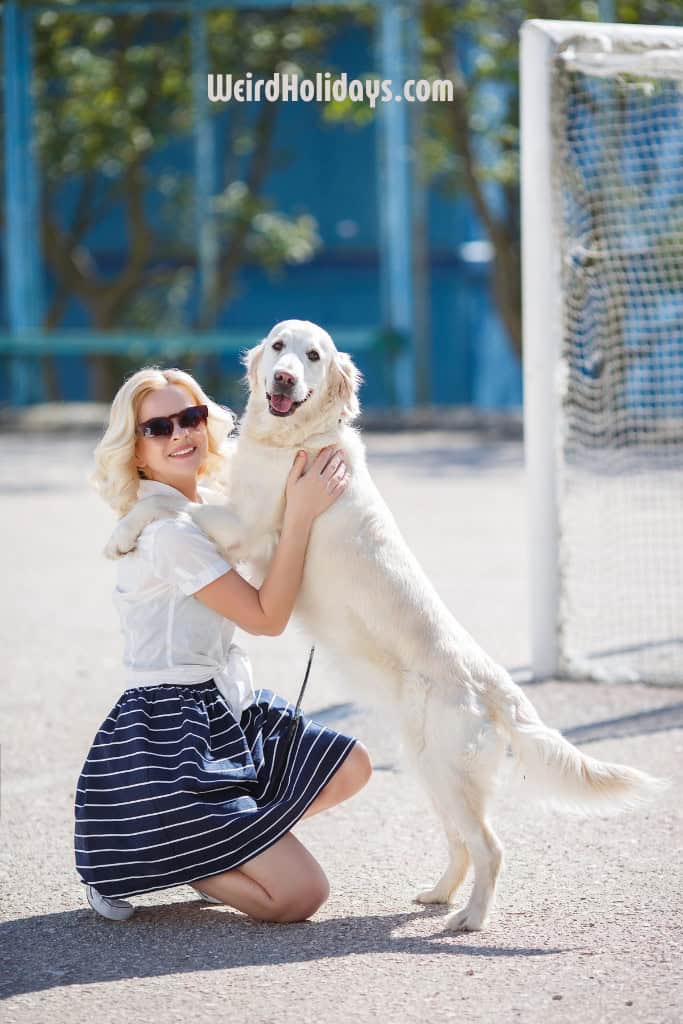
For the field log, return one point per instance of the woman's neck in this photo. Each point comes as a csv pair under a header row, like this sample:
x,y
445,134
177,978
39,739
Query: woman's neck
x,y
188,488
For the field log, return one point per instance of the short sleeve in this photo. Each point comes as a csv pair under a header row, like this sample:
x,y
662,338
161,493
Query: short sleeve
x,y
181,554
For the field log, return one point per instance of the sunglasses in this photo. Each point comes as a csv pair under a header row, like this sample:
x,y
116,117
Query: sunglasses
x,y
162,426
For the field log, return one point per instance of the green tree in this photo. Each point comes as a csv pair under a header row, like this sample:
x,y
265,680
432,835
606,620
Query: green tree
x,y
111,92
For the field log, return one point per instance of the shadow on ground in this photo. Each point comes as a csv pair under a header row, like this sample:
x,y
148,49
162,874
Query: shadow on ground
x,y
79,948
640,723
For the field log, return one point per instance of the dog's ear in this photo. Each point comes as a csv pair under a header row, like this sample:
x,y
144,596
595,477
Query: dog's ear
x,y
346,381
250,360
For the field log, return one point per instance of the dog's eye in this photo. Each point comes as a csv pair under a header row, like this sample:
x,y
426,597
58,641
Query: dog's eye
x,y
277,345
313,355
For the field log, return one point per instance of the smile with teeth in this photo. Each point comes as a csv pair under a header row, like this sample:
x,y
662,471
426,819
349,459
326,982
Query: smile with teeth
x,y
182,452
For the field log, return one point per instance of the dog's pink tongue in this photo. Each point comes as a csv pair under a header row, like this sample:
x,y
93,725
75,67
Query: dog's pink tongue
x,y
281,402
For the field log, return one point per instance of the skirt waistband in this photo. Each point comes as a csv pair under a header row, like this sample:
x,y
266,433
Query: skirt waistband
x,y
175,686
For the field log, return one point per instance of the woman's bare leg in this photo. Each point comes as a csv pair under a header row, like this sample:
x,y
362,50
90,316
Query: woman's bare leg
x,y
346,781
284,883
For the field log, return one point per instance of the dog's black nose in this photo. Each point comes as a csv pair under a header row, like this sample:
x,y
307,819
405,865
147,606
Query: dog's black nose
x,y
285,379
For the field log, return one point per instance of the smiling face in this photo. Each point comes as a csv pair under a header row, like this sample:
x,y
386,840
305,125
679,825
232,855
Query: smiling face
x,y
174,460
299,382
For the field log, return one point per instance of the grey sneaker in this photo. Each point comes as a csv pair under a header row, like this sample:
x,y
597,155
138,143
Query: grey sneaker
x,y
113,910
209,899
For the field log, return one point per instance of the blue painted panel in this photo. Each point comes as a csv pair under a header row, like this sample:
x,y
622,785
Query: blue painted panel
x,y
332,175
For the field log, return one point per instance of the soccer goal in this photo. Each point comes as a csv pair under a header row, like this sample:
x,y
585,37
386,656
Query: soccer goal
x,y
602,268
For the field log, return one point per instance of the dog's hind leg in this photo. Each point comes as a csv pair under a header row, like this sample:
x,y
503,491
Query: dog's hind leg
x,y
469,813
419,710
456,750
453,876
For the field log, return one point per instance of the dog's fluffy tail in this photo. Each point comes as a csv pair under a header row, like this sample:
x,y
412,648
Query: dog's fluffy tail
x,y
557,773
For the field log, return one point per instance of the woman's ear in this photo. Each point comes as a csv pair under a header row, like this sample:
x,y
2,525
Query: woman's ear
x,y
346,380
250,360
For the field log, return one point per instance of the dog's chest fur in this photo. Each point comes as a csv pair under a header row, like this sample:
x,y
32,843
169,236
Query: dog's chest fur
x,y
258,478
259,475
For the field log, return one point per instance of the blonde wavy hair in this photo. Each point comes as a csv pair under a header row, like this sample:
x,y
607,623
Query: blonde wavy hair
x,y
116,476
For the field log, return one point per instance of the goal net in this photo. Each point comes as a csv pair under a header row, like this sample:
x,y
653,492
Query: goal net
x,y
602,248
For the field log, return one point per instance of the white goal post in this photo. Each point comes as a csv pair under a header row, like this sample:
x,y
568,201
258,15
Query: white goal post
x,y
601,119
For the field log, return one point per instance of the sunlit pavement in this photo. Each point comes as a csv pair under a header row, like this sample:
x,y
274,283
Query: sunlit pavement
x,y
587,924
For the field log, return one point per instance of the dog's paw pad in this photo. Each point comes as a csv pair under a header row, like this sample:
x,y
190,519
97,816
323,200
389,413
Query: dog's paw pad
x,y
464,921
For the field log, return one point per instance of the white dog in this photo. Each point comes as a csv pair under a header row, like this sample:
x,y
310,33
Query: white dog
x,y
365,597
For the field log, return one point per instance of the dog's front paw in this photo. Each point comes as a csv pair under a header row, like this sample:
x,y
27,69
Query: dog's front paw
x,y
216,522
466,920
128,529
123,539
438,894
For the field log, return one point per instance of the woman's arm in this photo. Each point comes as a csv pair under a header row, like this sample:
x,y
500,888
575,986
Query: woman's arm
x,y
266,611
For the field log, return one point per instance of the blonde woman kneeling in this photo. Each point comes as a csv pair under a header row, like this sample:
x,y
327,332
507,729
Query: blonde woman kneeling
x,y
185,781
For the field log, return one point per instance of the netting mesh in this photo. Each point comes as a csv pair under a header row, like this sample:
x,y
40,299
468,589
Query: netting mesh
x,y
618,186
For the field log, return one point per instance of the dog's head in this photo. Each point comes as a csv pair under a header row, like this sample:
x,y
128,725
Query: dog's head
x,y
299,383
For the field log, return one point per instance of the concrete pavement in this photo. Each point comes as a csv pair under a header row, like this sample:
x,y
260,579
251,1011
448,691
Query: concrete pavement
x,y
588,921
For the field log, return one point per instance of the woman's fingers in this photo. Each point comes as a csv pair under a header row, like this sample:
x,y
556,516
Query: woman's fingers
x,y
299,464
339,488
324,457
335,462
338,480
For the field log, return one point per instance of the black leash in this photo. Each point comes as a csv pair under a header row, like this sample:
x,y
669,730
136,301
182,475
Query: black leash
x,y
297,710
296,716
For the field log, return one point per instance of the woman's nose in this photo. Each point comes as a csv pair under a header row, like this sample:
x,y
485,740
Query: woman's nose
x,y
178,431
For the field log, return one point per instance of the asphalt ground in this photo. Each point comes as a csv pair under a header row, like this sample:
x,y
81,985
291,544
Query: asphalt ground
x,y
587,925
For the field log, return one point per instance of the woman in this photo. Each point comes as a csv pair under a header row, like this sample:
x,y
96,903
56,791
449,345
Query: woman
x,y
189,779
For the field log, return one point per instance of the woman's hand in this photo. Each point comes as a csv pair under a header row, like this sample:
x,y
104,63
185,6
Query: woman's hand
x,y
309,491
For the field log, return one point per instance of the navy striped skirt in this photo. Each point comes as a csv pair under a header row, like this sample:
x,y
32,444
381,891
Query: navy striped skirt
x,y
175,789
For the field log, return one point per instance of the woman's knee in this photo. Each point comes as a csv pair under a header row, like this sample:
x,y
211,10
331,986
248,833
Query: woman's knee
x,y
300,903
293,882
357,767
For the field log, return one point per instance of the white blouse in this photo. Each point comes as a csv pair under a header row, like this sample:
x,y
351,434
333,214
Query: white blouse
x,y
169,636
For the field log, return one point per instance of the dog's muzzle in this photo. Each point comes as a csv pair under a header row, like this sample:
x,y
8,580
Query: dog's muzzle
x,y
281,404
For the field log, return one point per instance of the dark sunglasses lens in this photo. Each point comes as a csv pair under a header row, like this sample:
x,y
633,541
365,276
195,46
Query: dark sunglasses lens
x,y
161,426
193,417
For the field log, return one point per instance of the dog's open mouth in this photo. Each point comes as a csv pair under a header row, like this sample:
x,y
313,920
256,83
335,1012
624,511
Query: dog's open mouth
x,y
283,405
